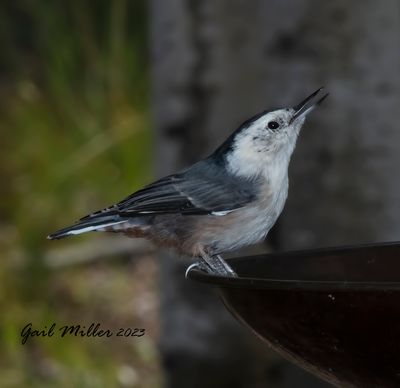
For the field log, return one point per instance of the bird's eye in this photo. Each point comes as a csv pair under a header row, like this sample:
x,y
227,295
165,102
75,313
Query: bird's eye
x,y
273,125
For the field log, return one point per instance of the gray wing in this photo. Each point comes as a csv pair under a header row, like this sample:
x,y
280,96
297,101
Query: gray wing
x,y
203,189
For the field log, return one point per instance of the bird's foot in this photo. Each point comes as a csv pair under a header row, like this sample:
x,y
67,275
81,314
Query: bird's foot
x,y
216,265
200,265
223,267
213,265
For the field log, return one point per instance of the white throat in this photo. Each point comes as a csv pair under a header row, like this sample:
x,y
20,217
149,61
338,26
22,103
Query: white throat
x,y
250,161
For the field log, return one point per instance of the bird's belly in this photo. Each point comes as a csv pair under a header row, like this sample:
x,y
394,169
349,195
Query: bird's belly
x,y
249,227
239,228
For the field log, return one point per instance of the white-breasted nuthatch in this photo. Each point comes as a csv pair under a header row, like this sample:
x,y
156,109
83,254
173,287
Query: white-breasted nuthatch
x,y
226,201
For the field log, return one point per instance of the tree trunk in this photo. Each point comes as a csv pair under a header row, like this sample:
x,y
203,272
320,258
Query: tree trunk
x,y
217,62
201,344
344,185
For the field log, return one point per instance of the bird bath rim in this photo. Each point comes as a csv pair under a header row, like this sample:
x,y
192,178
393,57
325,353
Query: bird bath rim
x,y
252,282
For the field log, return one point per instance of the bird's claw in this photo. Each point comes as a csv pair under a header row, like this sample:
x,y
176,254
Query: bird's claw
x,y
215,265
198,265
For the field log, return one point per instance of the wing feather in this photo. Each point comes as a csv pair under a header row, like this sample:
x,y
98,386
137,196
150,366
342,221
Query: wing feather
x,y
202,189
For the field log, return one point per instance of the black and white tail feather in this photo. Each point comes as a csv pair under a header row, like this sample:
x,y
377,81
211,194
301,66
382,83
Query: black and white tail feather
x,y
92,224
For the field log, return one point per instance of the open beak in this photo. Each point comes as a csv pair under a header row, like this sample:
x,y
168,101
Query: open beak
x,y
307,105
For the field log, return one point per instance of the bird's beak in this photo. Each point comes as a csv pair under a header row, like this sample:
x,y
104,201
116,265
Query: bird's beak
x,y
307,105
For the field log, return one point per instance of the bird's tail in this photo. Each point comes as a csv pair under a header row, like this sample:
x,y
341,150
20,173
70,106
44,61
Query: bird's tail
x,y
88,224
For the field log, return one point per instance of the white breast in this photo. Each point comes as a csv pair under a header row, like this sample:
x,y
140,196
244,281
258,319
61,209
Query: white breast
x,y
250,224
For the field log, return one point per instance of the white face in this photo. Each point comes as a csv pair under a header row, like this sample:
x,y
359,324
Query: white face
x,y
274,130
270,138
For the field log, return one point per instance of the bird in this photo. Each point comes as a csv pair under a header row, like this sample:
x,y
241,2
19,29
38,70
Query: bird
x,y
228,200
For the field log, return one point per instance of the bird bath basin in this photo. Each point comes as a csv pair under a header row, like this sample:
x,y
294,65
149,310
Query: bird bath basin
x,y
334,312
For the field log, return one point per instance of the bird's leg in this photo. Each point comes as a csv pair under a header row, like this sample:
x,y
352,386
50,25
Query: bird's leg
x,y
227,267
204,265
217,265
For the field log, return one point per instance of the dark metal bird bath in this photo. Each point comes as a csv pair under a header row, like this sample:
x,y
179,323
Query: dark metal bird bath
x,y
334,312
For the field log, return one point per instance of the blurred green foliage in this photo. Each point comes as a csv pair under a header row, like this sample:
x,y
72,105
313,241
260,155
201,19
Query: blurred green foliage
x,y
75,137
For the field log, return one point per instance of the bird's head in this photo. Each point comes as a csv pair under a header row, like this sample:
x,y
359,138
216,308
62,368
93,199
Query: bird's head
x,y
267,137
